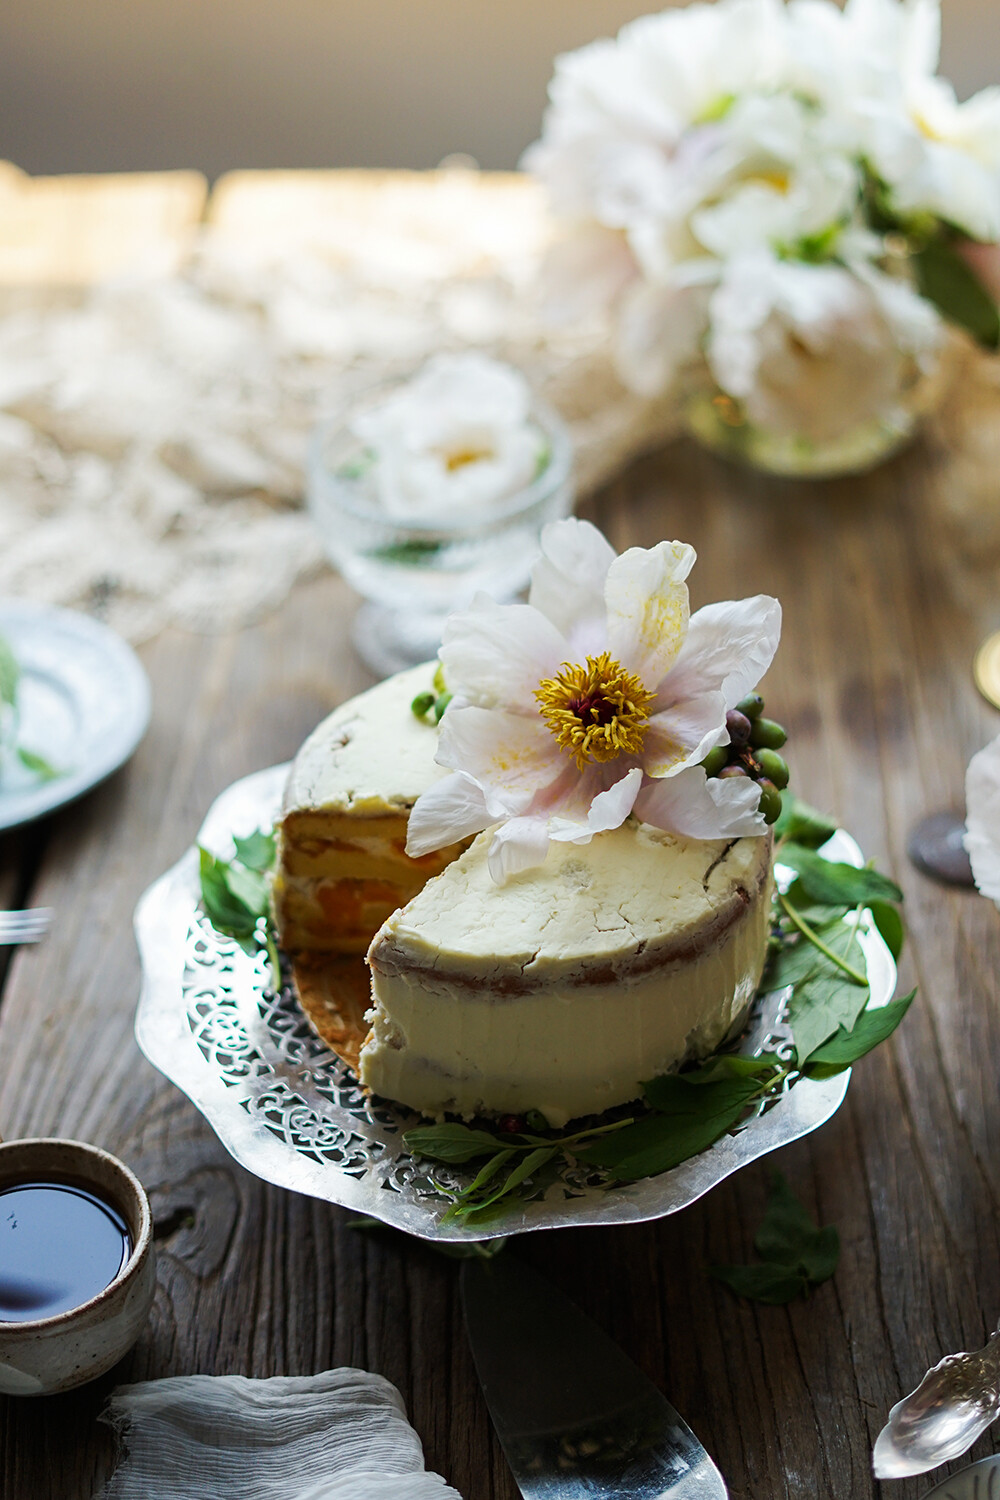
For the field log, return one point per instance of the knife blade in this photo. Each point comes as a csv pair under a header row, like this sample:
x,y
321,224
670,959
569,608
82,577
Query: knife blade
x,y
576,1418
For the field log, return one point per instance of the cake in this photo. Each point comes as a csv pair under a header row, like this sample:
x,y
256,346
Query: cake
x,y
342,867
560,991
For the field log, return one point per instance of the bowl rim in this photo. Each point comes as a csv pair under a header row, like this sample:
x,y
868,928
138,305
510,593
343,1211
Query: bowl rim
x,y
140,1248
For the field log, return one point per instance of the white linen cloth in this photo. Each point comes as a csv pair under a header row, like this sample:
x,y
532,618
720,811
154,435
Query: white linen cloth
x,y
340,1435
153,429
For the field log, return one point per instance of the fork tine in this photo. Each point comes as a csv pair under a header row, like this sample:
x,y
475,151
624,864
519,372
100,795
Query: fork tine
x,y
24,926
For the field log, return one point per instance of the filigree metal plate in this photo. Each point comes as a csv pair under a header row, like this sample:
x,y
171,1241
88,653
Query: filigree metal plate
x,y
293,1114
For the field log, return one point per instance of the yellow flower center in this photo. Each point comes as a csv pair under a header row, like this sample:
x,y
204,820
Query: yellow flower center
x,y
460,458
596,712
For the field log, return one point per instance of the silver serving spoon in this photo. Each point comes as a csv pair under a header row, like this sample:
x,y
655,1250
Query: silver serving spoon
x,y
954,1403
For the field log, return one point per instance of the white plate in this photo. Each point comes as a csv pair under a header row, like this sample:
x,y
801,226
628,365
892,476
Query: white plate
x,y
290,1112
84,705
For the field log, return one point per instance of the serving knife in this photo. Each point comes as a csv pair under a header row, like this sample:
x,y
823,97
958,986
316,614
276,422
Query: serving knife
x,y
576,1418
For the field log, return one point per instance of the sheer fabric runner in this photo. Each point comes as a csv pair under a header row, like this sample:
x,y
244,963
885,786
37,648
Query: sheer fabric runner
x,y
340,1435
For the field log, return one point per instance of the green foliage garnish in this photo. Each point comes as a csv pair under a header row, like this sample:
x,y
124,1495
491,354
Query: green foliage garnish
x,y
836,884
819,951
10,680
37,764
795,1256
236,895
847,1046
948,281
357,468
526,1153
256,852
10,674
412,554
801,824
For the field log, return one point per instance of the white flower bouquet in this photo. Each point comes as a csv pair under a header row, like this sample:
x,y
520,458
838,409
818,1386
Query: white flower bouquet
x,y
780,205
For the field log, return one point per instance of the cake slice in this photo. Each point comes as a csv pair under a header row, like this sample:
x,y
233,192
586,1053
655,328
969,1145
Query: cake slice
x,y
341,866
571,984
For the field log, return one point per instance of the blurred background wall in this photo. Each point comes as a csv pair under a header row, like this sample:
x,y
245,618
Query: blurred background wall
x,y
102,85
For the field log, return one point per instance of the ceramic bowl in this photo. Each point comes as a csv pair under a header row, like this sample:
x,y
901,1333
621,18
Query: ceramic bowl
x,y
47,1355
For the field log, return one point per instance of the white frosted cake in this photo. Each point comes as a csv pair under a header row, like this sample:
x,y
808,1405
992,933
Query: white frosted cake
x,y
574,983
561,990
342,867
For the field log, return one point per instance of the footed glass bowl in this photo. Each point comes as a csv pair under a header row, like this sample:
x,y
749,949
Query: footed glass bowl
x,y
413,573
719,423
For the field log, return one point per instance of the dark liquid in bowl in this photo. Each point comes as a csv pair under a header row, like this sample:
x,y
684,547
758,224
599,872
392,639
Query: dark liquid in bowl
x,y
59,1246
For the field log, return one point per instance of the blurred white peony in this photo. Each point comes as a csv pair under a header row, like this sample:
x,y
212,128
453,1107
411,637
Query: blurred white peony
x,y
748,187
982,820
459,436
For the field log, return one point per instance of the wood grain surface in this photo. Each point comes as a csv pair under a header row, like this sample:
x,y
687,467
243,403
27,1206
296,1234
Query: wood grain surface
x,y
887,587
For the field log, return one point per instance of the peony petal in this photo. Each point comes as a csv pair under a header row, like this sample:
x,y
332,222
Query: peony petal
x,y
647,604
451,810
982,823
683,734
518,845
609,809
702,807
729,647
498,653
512,756
567,583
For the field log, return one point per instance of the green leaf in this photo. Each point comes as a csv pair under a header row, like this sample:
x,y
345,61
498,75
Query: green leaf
x,y
845,1047
772,1285
836,884
948,281
37,764
524,1169
226,911
256,852
823,998
729,1065
10,673
249,888
689,1118
890,924
786,1232
801,823
795,1254
449,1142
413,554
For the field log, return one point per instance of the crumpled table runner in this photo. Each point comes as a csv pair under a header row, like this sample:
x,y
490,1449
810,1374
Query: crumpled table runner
x,y
153,428
340,1435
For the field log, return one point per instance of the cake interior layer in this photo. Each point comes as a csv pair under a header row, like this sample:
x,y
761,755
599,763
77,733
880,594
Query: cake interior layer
x,y
568,1051
341,876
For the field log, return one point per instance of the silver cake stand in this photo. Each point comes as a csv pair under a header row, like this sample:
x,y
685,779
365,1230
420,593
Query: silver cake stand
x,y
289,1111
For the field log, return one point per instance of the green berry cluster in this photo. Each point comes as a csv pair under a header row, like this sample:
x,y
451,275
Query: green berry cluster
x,y
752,751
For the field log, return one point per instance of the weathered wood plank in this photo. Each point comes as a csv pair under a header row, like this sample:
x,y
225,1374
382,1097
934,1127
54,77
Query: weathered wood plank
x,y
883,608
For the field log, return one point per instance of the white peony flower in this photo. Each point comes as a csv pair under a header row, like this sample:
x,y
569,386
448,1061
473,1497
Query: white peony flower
x,y
597,698
814,350
935,155
713,139
982,821
457,437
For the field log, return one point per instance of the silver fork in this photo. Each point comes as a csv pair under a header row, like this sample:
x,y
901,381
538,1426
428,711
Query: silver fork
x,y
24,926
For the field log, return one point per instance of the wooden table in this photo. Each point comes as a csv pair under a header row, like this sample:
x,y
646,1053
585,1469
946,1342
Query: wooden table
x,y
887,588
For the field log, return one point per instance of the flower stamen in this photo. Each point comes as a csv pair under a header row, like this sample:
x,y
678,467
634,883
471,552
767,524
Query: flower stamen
x,y
596,711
